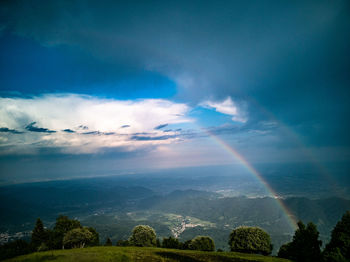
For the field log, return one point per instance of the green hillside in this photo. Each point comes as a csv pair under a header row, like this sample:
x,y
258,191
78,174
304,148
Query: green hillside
x,y
124,254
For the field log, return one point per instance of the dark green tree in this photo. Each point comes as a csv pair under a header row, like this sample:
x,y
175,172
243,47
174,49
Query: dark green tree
x,y
250,240
95,241
305,246
62,226
143,236
108,242
171,242
334,255
338,249
15,248
39,234
203,243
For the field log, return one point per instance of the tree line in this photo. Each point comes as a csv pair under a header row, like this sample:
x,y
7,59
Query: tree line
x,y
304,247
66,233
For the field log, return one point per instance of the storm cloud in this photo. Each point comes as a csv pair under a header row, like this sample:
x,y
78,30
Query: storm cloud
x,y
269,77
283,60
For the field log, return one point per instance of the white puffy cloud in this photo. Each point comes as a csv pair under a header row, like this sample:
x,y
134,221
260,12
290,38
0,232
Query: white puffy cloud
x,y
89,122
227,107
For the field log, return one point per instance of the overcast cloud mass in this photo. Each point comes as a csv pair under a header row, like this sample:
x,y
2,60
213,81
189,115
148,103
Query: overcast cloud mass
x,y
142,84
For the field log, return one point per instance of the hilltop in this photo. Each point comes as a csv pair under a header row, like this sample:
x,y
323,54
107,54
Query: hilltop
x,y
126,254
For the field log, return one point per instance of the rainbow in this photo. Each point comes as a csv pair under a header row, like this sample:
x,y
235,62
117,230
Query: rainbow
x,y
289,216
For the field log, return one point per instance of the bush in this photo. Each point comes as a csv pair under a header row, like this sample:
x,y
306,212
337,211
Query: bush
x,y
123,243
172,242
186,245
284,250
108,242
250,240
43,247
203,243
77,238
143,236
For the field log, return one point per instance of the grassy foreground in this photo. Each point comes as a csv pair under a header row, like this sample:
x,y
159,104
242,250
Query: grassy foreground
x,y
125,254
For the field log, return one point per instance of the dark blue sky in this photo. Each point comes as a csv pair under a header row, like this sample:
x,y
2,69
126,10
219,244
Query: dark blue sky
x,y
270,78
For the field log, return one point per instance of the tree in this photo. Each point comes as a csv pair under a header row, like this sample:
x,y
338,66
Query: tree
x,y
77,238
171,242
203,243
250,240
95,241
305,246
338,249
108,242
143,236
15,248
62,226
39,235
334,255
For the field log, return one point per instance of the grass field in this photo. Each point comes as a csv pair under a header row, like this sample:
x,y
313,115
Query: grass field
x,y
125,254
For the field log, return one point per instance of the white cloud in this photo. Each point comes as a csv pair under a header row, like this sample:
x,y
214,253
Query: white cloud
x,y
70,111
227,107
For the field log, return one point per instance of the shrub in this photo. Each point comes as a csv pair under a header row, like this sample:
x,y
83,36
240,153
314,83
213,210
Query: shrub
x,y
77,237
43,247
143,236
250,240
108,242
171,242
186,245
123,243
203,243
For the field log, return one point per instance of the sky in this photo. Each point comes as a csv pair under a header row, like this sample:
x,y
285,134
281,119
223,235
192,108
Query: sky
x,y
90,88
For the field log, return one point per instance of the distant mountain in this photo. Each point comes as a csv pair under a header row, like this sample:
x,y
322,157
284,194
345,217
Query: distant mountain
x,y
323,212
114,208
22,204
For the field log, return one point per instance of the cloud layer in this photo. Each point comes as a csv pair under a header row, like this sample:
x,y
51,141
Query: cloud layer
x,y
85,123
